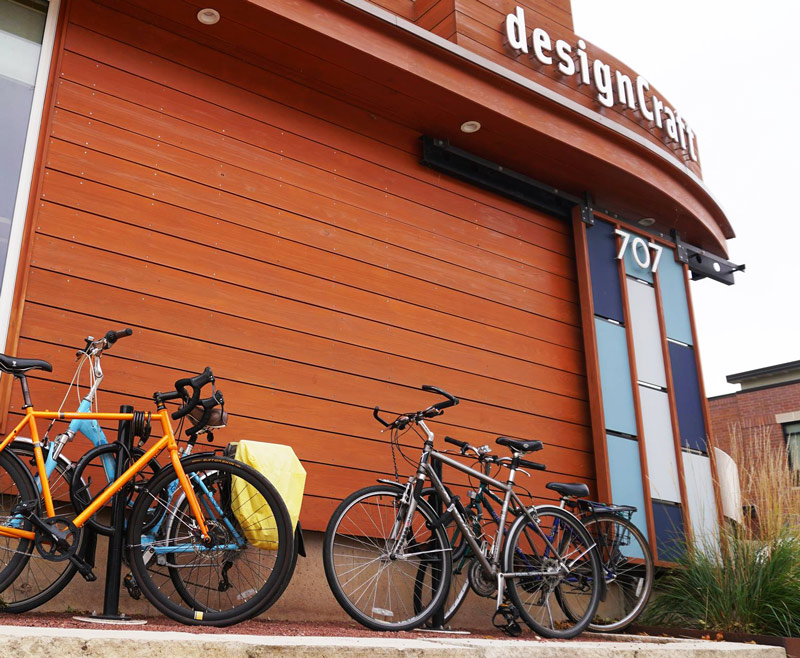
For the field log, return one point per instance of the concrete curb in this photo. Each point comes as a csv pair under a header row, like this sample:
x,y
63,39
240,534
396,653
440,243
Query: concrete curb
x,y
26,642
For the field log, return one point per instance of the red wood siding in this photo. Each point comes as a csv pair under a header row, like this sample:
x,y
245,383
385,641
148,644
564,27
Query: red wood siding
x,y
239,217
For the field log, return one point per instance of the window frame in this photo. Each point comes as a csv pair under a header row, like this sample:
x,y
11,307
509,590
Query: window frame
x,y
19,215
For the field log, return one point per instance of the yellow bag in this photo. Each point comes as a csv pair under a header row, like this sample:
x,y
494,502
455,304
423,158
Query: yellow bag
x,y
283,469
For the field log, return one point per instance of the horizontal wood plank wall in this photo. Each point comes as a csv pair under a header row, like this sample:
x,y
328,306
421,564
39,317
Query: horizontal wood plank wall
x,y
244,220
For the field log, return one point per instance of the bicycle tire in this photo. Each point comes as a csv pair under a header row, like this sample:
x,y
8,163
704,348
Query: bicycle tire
x,y
461,558
356,544
40,580
227,582
183,511
16,486
627,566
81,494
459,588
537,597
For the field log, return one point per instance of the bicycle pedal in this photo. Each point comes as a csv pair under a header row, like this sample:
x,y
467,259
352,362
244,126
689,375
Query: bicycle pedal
x,y
133,589
84,568
510,626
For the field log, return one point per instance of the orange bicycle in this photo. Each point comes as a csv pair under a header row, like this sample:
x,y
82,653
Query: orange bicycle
x,y
209,539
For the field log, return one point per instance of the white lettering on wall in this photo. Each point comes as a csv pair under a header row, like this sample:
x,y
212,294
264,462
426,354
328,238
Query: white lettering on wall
x,y
613,87
640,250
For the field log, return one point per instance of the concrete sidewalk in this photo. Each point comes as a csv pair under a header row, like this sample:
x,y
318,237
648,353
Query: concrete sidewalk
x,y
36,642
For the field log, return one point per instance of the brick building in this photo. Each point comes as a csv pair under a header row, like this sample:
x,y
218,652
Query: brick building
x,y
766,407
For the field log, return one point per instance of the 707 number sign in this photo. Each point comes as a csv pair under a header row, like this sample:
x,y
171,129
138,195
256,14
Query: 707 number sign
x,y
640,250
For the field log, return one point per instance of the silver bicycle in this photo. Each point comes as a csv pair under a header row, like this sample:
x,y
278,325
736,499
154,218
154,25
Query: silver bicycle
x,y
388,557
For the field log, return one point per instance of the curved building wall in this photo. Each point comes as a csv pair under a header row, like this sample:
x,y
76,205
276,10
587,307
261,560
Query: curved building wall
x,y
250,196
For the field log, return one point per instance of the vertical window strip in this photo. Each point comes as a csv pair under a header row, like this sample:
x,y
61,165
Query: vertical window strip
x,y
677,453
640,429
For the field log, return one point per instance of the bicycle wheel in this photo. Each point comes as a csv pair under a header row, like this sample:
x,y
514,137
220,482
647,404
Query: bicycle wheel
x,y
459,587
228,580
221,483
41,579
563,568
91,486
627,566
460,557
381,590
15,552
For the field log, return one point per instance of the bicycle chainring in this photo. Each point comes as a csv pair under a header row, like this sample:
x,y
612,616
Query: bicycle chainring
x,y
61,542
480,583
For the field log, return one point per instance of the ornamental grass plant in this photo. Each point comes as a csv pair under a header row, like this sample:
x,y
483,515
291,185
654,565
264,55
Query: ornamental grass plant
x,y
748,581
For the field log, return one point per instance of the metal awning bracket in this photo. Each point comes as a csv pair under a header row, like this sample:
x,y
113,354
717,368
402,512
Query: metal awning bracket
x,y
703,264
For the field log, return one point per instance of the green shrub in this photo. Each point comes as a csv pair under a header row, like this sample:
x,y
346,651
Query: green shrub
x,y
749,581
750,586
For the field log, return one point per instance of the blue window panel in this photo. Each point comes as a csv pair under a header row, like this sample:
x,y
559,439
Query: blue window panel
x,y
673,298
615,377
670,536
604,268
626,480
689,405
637,247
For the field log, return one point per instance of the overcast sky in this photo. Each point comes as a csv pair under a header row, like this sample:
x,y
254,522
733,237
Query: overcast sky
x,y
731,69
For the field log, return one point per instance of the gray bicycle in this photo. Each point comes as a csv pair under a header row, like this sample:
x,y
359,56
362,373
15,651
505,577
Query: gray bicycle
x,y
387,554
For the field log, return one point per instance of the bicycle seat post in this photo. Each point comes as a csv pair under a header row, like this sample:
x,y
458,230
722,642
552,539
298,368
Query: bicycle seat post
x,y
26,393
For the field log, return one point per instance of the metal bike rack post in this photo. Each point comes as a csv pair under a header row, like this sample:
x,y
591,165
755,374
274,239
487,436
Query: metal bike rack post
x,y
116,542
437,620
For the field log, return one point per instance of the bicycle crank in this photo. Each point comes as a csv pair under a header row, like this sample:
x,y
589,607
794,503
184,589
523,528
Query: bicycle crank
x,y
480,583
56,538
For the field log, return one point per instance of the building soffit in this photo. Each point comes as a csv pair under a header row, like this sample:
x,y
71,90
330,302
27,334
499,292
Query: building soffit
x,y
564,144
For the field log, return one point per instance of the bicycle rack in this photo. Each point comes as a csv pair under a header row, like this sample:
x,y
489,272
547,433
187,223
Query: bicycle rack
x,y
116,542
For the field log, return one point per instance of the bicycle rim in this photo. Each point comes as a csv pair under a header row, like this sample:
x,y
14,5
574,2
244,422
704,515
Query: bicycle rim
x,y
627,568
230,580
15,487
378,588
569,573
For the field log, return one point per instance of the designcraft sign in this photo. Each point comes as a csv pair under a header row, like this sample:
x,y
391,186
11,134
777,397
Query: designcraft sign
x,y
613,87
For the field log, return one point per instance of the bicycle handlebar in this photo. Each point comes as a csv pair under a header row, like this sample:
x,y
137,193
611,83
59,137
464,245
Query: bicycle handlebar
x,y
461,444
113,336
536,466
96,347
191,401
451,400
402,421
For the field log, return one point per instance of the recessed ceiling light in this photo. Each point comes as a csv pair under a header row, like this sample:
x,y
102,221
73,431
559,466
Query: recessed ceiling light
x,y
646,221
470,127
208,16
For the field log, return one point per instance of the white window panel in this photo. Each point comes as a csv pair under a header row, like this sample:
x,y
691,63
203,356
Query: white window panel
x,y
702,503
646,334
662,463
